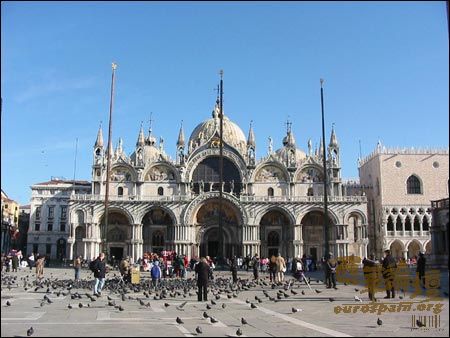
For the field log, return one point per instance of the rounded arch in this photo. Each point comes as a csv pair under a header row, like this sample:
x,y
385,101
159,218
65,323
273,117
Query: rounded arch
x,y
100,214
286,212
205,176
196,158
397,248
414,247
119,173
78,216
188,214
158,215
358,213
270,171
161,171
309,172
331,215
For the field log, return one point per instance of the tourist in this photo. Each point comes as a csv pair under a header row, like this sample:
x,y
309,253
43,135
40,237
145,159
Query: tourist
x,y
370,275
77,268
155,273
330,268
202,272
389,267
420,269
98,266
281,268
255,264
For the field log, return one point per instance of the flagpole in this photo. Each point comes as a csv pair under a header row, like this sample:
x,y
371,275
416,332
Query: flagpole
x,y
325,179
221,251
108,164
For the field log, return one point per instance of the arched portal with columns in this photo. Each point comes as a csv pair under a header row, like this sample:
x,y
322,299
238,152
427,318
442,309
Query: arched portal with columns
x,y
119,234
397,248
206,225
413,249
314,237
157,230
276,227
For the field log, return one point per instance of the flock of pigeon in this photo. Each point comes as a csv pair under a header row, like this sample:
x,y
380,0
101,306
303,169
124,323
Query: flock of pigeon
x,y
120,294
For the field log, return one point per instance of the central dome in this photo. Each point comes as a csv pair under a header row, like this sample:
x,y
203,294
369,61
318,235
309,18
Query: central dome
x,y
232,134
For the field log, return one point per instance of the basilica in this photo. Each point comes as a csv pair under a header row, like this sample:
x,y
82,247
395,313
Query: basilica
x,y
270,205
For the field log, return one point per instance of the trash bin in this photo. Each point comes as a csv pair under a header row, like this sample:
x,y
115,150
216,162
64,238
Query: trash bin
x,y
135,275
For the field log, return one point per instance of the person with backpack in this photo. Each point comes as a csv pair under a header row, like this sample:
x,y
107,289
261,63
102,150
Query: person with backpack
x,y
155,273
98,267
233,269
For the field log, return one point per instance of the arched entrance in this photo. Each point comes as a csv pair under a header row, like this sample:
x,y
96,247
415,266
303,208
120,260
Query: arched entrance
x,y
396,249
156,226
413,249
313,234
78,248
275,233
208,233
118,237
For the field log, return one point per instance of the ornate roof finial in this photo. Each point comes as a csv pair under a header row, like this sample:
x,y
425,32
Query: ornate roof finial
x,y
251,136
180,142
333,139
141,138
99,140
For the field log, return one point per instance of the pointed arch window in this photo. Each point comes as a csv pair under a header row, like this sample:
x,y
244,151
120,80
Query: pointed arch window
x,y
390,224
413,185
407,224
416,223
398,224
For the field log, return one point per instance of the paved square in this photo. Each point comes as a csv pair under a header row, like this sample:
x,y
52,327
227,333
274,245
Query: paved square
x,y
316,315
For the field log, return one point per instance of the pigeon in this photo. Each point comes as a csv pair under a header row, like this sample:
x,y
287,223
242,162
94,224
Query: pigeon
x,y
141,302
303,292
357,299
166,304
239,332
253,306
243,321
208,306
30,332
224,305
109,298
182,305
318,291
80,305
8,303
179,321
121,308
198,329
247,301
419,323
213,320
69,306
205,315
213,302
331,299
379,322
401,297
356,290
293,292
295,310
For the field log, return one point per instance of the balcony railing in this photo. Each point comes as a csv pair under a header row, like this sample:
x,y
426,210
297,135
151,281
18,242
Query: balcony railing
x,y
127,198
243,198
305,199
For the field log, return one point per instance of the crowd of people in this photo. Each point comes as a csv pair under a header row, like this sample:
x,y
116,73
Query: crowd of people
x,y
173,265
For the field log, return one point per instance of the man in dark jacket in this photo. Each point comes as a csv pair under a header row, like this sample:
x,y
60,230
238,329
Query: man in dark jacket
x,y
370,275
420,269
99,269
255,261
202,272
389,268
233,269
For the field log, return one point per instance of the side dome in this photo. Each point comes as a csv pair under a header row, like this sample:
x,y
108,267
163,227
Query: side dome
x,y
232,134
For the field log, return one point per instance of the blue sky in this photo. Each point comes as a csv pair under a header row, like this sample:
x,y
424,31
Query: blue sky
x,y
385,67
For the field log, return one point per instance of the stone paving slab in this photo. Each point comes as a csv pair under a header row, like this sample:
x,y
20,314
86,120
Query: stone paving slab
x,y
269,319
